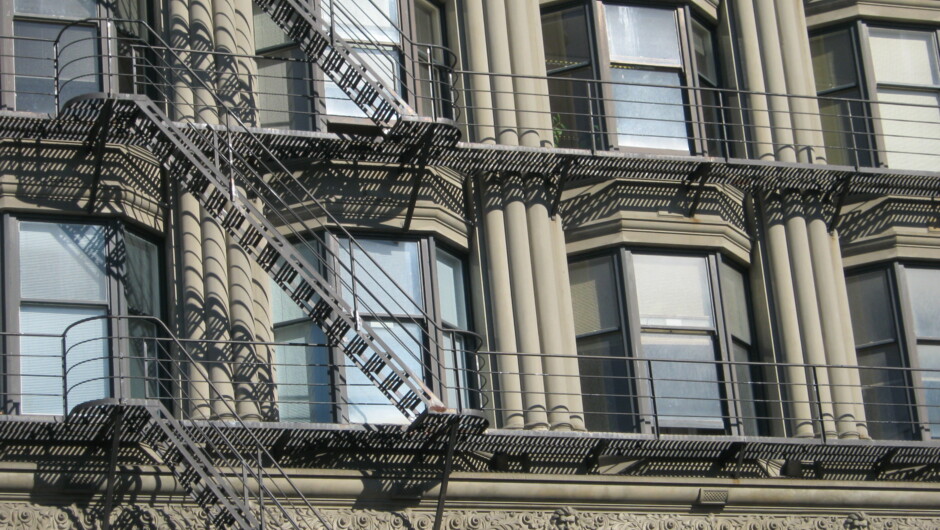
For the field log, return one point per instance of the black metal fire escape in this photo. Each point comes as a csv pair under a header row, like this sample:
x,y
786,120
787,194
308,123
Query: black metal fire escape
x,y
242,186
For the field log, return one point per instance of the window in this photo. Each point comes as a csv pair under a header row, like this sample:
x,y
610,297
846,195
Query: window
x,y
421,291
643,66
34,27
899,67
67,272
897,336
286,82
658,341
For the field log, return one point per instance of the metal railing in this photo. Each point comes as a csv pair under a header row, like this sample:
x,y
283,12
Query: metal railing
x,y
286,201
300,382
585,114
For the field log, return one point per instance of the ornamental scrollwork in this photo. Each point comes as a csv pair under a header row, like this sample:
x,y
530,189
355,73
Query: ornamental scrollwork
x,y
28,516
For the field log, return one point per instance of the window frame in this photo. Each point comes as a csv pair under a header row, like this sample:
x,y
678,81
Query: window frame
x,y
115,304
638,364
432,349
689,86
907,340
105,31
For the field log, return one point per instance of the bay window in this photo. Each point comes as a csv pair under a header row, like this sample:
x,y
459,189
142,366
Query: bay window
x,y
898,69
404,290
632,64
66,272
661,347
897,335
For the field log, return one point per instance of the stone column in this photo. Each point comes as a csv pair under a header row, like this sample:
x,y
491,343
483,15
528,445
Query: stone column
x,y
504,331
762,144
263,327
775,80
521,41
201,40
481,124
497,40
246,356
217,313
524,305
193,309
848,336
569,337
784,303
546,298
793,42
808,307
843,402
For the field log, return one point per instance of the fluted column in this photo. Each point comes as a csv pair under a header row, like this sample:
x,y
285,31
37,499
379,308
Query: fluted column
x,y
546,298
480,117
504,331
521,41
775,80
784,302
569,337
827,294
524,305
201,29
497,40
762,144
217,314
808,307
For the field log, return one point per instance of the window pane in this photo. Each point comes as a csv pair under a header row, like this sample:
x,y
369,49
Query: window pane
x,y
366,403
284,90
57,8
910,121
606,383
267,33
302,374
704,50
283,308
686,394
870,305
750,389
904,56
453,293
594,295
833,60
649,116
364,20
644,35
924,289
41,361
734,296
846,128
929,357
427,23
35,70
886,393
565,37
148,378
143,276
673,291
62,262
572,109
375,292
383,62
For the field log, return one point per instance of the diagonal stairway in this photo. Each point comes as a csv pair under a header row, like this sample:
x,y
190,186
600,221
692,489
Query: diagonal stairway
x,y
182,150
316,35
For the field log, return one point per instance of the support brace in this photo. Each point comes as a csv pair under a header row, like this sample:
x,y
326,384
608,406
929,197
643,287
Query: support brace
x,y
562,170
701,176
98,137
448,465
117,426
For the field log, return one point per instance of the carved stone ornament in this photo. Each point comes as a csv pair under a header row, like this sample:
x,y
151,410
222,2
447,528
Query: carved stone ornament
x,y
178,516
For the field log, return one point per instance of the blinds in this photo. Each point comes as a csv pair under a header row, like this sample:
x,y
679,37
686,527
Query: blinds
x,y
302,374
366,403
924,290
62,262
910,121
594,295
642,35
673,291
904,57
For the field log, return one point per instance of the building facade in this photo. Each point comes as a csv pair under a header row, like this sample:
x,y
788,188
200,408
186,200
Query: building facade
x,y
470,263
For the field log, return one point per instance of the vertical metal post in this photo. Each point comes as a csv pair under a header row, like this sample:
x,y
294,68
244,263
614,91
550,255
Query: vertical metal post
x,y
65,378
448,464
591,116
852,134
816,395
652,388
55,77
352,281
725,137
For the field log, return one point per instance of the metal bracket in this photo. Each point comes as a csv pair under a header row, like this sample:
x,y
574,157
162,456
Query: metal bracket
x,y
843,187
562,170
701,174
448,466
117,427
99,136
420,168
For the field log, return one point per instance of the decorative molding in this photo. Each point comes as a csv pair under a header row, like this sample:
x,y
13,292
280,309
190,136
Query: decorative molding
x,y
178,516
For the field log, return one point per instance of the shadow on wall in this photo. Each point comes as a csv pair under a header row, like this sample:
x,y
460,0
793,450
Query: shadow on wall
x,y
622,198
865,219
62,179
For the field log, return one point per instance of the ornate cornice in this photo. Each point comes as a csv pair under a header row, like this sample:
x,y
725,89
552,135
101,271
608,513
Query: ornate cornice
x,y
178,516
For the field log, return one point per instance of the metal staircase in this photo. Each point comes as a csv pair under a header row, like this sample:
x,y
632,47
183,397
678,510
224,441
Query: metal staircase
x,y
319,32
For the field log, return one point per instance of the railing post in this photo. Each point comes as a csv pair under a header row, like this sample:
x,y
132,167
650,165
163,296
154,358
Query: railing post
x,y
55,77
591,116
725,137
852,134
65,377
652,388
819,409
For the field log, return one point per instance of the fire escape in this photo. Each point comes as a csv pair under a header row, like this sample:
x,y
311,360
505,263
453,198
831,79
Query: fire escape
x,y
245,186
